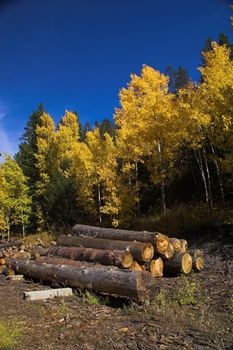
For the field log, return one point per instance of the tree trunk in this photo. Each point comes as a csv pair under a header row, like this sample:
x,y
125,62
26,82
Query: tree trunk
x,y
117,258
99,203
140,251
218,173
180,263
163,196
159,241
124,283
199,162
208,178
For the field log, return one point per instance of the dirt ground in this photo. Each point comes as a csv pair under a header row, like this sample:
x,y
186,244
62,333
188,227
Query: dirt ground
x,y
194,312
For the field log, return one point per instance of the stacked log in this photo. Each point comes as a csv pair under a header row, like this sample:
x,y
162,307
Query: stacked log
x,y
110,261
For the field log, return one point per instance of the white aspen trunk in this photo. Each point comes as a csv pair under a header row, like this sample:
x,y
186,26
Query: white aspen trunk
x,y
164,208
199,162
99,202
23,229
218,173
208,178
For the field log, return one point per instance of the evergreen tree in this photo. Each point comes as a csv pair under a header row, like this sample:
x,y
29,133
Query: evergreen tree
x,y
178,79
28,148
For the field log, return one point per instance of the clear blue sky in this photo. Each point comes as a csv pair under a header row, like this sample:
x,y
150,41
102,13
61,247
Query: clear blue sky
x,y
78,54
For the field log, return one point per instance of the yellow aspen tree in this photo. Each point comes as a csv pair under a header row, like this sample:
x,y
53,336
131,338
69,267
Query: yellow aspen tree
x,y
46,161
196,123
82,170
3,223
104,173
216,99
149,125
67,135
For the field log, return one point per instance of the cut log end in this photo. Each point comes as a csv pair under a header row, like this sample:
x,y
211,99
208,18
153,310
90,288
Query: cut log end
x,y
170,251
183,246
161,243
176,244
156,267
148,252
198,264
127,260
135,266
187,263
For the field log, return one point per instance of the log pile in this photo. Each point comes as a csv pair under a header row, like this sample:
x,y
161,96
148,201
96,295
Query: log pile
x,y
14,250
110,261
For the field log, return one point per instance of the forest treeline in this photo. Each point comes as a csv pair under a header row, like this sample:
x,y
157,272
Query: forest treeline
x,y
171,142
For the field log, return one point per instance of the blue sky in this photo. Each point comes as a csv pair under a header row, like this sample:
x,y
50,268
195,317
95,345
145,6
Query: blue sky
x,y
78,54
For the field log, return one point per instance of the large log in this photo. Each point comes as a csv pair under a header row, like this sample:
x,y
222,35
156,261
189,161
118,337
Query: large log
x,y
119,258
124,283
180,263
159,241
140,251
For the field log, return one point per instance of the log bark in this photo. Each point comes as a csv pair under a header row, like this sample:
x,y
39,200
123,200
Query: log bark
x,y
159,241
140,251
119,258
156,267
124,283
180,263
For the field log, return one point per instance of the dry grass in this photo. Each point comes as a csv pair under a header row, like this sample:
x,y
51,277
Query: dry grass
x,y
43,238
183,218
9,333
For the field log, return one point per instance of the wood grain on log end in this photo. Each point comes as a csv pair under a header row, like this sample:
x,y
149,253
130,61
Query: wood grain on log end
x,y
127,260
135,266
198,264
187,263
183,246
147,252
170,251
161,242
176,243
156,267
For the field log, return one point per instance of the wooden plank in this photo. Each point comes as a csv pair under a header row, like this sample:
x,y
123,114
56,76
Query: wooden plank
x,y
48,294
